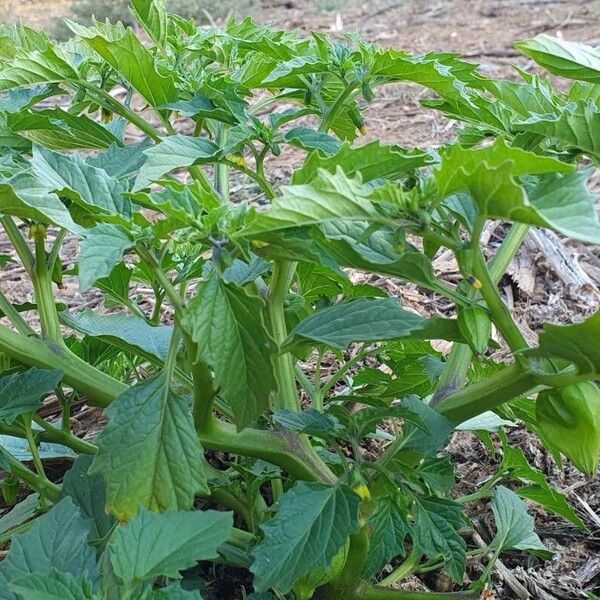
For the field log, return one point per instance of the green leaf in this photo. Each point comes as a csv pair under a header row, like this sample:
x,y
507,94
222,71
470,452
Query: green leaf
x,y
310,422
24,196
228,327
435,533
553,501
515,527
40,66
329,197
561,57
433,436
175,152
576,343
22,98
149,454
173,592
102,248
311,526
311,139
184,539
52,585
126,331
124,52
23,392
389,527
373,161
118,161
241,273
90,187
61,130
368,320
56,540
18,515
152,15
89,494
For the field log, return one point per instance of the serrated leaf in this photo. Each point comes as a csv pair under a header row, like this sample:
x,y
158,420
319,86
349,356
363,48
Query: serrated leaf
x,y
435,533
329,197
89,494
61,130
128,332
310,422
24,196
389,527
175,152
515,527
228,327
91,188
120,161
56,540
368,320
124,52
373,161
433,436
102,248
18,99
185,538
52,585
561,57
149,454
311,526
241,273
311,139
23,392
18,515
553,501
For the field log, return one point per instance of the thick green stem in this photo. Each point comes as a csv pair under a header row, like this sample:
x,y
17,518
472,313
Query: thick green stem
x,y
403,570
381,593
333,110
9,311
221,178
281,280
204,395
19,244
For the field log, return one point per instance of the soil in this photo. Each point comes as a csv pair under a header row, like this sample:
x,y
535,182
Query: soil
x,y
483,31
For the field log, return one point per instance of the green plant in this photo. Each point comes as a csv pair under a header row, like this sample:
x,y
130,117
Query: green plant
x,y
254,289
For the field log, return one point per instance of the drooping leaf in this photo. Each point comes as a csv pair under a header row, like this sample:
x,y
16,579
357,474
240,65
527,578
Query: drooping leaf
x,y
19,514
228,328
435,533
124,330
20,450
149,454
373,161
311,526
56,540
184,539
90,187
89,494
20,98
389,527
101,249
310,139
551,500
23,392
515,527
124,52
52,585
175,152
429,439
366,320
561,57
60,130
311,422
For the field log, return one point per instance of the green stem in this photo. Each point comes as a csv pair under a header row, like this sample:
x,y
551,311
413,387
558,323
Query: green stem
x,y
33,446
19,244
333,110
14,317
281,280
204,393
403,570
54,251
507,251
59,436
221,177
148,257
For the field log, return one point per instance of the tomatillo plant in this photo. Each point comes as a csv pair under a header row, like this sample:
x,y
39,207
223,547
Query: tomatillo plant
x,y
206,411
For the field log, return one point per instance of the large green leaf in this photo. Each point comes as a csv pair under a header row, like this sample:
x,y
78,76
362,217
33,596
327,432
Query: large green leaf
x,y
60,130
175,152
88,186
52,585
561,57
389,527
515,527
126,331
118,161
366,320
184,539
435,533
149,454
373,161
173,592
124,52
228,328
152,15
24,196
23,392
102,248
56,540
328,197
313,523
577,126
40,66
560,199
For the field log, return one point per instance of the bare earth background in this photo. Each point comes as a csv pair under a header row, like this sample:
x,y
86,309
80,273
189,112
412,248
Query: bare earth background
x,y
549,280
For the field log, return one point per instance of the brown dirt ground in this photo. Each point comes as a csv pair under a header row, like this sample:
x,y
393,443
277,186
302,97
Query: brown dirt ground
x,y
483,31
